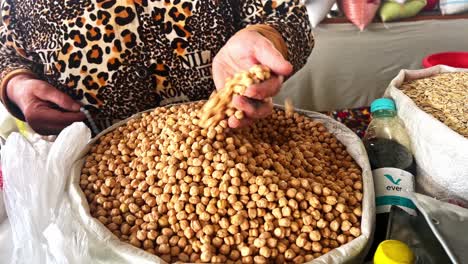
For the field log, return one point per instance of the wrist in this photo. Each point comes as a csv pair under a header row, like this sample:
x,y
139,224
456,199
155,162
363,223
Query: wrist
x,y
12,89
273,35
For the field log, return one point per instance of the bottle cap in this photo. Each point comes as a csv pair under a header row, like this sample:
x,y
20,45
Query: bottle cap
x,y
393,252
383,104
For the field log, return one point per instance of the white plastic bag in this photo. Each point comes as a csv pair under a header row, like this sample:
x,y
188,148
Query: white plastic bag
x,y
35,176
351,252
441,154
451,7
318,10
3,215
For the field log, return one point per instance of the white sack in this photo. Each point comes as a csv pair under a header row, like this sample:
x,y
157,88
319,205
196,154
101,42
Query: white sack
x,y
318,10
450,7
353,251
441,153
3,215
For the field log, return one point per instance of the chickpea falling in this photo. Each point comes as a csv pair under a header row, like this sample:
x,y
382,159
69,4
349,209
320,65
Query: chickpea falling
x,y
281,191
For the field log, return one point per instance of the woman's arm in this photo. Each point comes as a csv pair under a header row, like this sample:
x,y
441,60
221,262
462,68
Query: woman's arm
x,y
21,91
14,57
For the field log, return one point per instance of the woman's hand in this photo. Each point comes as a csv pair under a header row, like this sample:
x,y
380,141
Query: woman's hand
x,y
46,109
244,50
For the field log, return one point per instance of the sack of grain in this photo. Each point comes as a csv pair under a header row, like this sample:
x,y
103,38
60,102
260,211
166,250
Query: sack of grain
x,y
441,153
121,252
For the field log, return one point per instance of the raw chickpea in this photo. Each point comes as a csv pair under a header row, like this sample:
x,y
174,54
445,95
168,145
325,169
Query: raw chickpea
x,y
142,235
334,244
357,211
112,226
327,208
322,223
282,247
316,247
301,240
279,232
260,259
342,239
205,256
148,244
244,251
265,252
355,231
335,225
315,235
331,200
259,242
340,207
289,254
272,242
286,211
353,218
316,215
284,222
346,225
135,242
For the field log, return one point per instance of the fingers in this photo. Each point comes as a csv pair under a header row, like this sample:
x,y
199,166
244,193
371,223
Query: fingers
x,y
47,121
251,109
266,89
49,93
236,123
268,55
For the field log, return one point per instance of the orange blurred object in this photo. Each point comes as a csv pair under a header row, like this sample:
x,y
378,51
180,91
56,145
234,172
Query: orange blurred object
x,y
360,12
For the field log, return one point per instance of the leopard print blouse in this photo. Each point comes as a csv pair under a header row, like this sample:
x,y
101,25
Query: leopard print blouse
x,y
119,57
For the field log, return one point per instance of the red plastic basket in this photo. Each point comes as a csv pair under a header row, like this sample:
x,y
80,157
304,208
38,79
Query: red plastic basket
x,y
452,59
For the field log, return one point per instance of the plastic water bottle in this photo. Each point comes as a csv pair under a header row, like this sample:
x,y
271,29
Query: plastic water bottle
x,y
393,167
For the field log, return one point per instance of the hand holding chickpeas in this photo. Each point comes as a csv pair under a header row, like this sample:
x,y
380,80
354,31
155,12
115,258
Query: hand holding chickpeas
x,y
244,50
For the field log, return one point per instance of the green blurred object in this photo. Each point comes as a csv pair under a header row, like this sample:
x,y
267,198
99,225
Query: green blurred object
x,y
390,11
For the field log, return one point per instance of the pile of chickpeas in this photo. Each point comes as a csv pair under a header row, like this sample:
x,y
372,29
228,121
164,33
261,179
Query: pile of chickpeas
x,y
281,191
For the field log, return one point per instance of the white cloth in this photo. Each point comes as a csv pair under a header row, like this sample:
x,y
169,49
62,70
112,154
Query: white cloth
x,y
349,68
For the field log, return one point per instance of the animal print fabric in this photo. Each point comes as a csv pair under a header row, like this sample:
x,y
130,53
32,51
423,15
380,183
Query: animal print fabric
x,y
119,57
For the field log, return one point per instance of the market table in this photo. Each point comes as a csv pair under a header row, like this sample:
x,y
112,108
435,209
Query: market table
x,y
349,69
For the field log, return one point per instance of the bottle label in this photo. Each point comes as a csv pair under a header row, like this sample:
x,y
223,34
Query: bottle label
x,y
393,187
